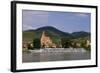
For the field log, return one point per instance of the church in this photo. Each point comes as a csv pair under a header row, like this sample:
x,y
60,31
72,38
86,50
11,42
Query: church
x,y
46,41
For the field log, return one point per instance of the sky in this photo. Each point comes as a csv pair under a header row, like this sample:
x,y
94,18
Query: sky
x,y
63,21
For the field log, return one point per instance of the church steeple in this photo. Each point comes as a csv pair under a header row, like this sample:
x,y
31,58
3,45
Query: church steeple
x,y
43,34
46,41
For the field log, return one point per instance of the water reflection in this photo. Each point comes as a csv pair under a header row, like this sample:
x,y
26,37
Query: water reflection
x,y
48,54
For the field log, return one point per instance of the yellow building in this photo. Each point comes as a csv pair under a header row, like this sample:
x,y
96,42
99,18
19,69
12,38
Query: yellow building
x,y
46,41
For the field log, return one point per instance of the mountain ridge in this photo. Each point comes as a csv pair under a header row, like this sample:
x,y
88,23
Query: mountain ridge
x,y
45,28
54,33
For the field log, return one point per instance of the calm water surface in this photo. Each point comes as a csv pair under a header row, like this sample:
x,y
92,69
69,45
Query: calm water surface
x,y
44,55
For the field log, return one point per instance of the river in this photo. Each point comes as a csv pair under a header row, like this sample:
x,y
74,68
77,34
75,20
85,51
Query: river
x,y
57,54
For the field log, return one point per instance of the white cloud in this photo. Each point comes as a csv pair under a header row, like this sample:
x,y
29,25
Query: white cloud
x,y
34,18
26,27
82,15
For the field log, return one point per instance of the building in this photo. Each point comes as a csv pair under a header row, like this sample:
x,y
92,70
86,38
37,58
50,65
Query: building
x,y
46,41
88,43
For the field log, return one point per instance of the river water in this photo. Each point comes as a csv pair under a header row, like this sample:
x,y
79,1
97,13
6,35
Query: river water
x,y
58,54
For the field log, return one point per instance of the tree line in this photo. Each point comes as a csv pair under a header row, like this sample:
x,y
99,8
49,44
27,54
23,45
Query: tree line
x,y
65,43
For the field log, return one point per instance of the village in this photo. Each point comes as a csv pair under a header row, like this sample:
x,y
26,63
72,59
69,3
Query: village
x,y
46,42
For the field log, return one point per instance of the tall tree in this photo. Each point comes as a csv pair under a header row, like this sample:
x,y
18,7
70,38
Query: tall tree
x,y
36,43
66,43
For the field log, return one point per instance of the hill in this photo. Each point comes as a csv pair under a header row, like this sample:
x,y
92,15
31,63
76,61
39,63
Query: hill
x,y
54,33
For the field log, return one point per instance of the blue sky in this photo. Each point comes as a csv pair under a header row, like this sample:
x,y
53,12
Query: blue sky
x,y
64,21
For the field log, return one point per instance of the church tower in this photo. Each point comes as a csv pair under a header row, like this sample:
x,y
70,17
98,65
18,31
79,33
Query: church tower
x,y
46,41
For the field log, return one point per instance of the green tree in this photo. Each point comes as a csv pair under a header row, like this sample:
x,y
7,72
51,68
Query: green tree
x,y
66,43
36,43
